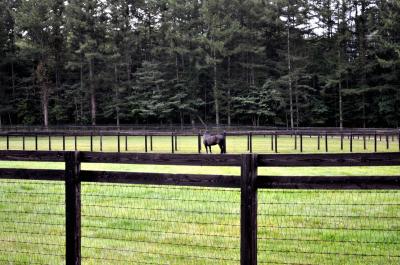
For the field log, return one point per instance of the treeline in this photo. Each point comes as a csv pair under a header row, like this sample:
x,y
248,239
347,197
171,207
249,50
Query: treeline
x,y
277,62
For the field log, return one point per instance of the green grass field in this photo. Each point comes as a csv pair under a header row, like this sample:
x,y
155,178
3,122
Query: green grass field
x,y
137,224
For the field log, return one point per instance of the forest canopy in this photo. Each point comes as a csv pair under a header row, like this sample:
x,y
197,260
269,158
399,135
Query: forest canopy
x,y
278,62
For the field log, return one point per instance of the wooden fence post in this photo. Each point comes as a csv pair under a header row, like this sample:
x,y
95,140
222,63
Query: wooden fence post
x,y
172,143
23,141
151,142
295,141
272,142
326,142
76,142
72,209
364,142
101,142
8,141
49,142
119,143
199,143
224,134
351,142
341,141
301,142
126,142
36,142
251,142
248,142
319,142
145,143
387,141
375,144
63,141
91,142
176,142
398,139
248,210
276,143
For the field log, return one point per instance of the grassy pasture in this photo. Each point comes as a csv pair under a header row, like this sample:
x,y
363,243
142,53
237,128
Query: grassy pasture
x,y
136,224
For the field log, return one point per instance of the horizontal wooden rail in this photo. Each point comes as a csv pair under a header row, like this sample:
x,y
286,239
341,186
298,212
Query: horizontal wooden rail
x,y
347,182
161,179
45,156
162,159
31,174
320,160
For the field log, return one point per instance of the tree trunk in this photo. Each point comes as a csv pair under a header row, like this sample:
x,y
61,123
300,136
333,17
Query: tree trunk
x,y
340,105
12,77
181,118
215,90
290,78
116,94
229,91
45,106
92,94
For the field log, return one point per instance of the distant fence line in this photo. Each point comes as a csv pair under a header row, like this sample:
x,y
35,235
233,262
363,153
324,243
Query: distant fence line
x,y
322,141
181,129
249,182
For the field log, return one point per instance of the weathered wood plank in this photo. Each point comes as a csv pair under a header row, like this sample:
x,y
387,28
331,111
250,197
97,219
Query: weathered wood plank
x,y
31,174
161,179
162,159
248,210
347,182
72,208
50,156
308,160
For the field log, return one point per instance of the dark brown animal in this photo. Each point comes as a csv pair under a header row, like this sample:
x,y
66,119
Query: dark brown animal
x,y
210,140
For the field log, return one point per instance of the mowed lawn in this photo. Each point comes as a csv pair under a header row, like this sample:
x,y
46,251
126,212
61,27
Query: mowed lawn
x,y
143,224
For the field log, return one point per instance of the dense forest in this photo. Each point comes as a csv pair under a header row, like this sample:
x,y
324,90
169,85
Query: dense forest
x,y
260,62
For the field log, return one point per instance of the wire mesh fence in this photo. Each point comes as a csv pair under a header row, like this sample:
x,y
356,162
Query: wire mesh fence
x,y
32,222
328,227
146,224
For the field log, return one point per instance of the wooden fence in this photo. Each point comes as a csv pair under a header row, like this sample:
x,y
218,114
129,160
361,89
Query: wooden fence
x,y
248,182
297,136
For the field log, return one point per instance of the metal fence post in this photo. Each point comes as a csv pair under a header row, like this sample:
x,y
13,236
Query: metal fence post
x,y
248,210
72,208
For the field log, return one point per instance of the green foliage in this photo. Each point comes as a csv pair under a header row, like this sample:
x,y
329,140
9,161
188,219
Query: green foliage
x,y
172,61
